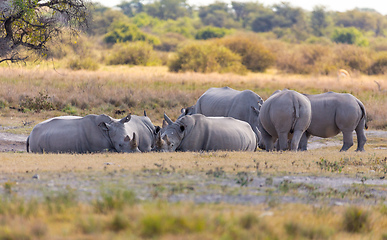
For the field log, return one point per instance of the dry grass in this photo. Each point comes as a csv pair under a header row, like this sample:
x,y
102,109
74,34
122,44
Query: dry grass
x,y
156,90
270,163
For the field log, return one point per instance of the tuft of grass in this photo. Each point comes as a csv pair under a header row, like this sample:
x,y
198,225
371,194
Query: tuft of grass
x,y
114,200
356,220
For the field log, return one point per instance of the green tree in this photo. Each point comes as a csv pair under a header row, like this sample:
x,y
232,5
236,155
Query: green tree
x,y
319,20
168,9
32,24
349,35
211,32
217,15
131,8
247,11
127,32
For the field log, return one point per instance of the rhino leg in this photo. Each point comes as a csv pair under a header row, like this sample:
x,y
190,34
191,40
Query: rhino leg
x,y
267,140
348,140
303,145
283,141
361,138
297,135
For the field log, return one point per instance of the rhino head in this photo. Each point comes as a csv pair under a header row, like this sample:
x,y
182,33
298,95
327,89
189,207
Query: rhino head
x,y
170,137
118,136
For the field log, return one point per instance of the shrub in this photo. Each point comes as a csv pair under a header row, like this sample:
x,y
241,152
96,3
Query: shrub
x,y
87,63
356,220
255,56
206,57
137,53
38,103
306,59
379,66
170,41
211,32
352,57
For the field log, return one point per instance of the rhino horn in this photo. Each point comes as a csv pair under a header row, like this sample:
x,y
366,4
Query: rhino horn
x,y
164,124
133,142
169,121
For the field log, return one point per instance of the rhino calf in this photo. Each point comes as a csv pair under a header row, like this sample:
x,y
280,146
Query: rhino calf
x,y
200,133
285,114
92,133
333,113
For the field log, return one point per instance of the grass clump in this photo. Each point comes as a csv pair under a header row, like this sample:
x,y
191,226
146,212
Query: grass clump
x,y
87,63
356,220
114,199
206,57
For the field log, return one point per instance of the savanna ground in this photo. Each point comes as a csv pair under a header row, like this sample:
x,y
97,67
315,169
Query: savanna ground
x,y
318,194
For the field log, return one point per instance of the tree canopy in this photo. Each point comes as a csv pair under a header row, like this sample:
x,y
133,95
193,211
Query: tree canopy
x,y
32,24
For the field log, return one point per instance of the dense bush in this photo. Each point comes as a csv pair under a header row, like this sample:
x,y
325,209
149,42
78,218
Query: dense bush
x,y
306,59
352,57
87,63
211,32
126,32
255,56
170,41
206,57
137,53
379,65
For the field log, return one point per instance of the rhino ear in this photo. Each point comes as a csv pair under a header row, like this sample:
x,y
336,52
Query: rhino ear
x,y
169,121
157,130
164,124
145,114
183,111
126,119
255,110
104,126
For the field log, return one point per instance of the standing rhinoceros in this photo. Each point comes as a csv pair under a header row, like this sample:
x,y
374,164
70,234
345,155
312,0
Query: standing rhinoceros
x,y
200,133
228,102
283,114
145,131
92,133
334,112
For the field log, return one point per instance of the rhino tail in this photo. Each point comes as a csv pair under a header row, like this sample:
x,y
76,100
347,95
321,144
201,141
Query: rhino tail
x,y
296,106
363,112
28,144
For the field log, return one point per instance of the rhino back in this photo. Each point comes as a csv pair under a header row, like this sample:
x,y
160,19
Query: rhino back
x,y
332,112
219,133
68,135
228,102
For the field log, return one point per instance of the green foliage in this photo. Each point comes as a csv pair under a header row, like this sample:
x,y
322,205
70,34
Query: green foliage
x,y
254,55
168,9
349,35
243,179
61,201
144,20
184,26
217,15
137,53
206,57
319,21
211,32
87,63
298,231
127,32
379,65
356,220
